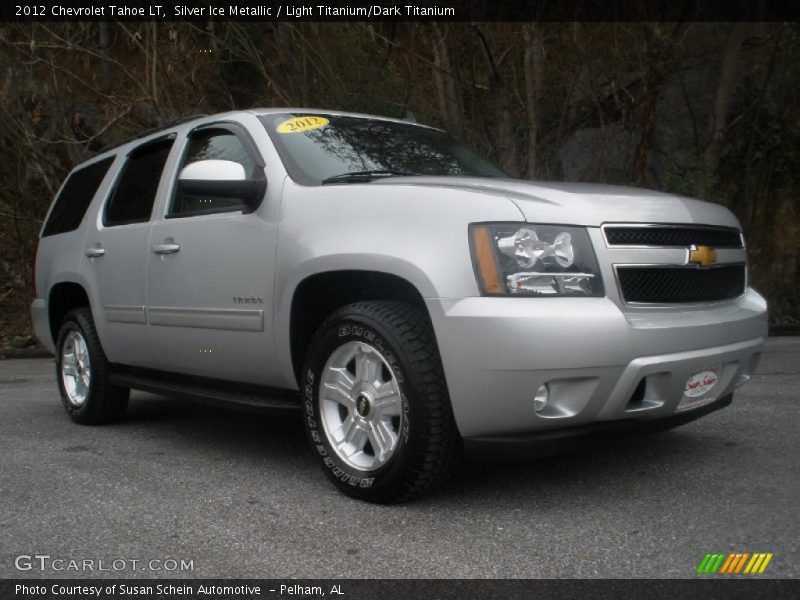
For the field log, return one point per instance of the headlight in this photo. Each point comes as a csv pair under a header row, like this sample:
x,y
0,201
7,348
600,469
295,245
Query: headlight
x,y
534,260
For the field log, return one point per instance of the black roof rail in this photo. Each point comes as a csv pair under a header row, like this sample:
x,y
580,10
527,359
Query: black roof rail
x,y
167,125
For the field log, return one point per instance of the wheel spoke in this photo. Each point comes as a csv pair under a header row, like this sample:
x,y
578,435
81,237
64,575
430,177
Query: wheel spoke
x,y
351,435
68,359
388,405
356,440
367,366
339,388
388,400
380,438
345,431
69,368
80,387
385,388
343,378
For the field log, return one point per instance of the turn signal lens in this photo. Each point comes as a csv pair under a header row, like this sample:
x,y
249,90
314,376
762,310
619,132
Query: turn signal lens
x,y
484,257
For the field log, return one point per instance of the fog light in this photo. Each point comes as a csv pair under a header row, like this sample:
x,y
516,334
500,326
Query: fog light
x,y
541,398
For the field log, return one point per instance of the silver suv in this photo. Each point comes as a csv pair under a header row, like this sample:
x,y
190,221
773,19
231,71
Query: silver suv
x,y
405,296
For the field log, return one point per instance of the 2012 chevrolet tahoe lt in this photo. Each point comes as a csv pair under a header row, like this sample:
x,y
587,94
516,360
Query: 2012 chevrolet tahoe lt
x,y
411,301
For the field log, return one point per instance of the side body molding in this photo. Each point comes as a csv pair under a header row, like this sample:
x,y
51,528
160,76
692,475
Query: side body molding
x,y
201,318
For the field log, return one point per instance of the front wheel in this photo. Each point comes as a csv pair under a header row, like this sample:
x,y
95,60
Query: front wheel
x,y
377,412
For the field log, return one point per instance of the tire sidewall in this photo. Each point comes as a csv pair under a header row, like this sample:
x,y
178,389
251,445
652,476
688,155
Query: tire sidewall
x,y
365,484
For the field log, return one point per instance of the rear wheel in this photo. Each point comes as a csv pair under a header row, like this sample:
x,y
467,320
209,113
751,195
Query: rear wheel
x,y
82,371
377,411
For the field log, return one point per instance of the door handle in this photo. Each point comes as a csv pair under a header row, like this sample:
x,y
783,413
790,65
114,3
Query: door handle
x,y
166,248
95,252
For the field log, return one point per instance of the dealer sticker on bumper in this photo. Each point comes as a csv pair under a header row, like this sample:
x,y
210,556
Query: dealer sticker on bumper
x,y
696,392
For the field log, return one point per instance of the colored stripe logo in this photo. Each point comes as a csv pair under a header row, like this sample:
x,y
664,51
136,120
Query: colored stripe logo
x,y
734,563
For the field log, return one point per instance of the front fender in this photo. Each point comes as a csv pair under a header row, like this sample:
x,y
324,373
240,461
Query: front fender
x,y
418,234
389,265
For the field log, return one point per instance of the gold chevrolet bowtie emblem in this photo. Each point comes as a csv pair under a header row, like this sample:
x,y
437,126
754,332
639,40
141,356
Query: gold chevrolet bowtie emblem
x,y
703,256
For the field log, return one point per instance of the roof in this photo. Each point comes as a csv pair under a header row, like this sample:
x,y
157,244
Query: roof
x,y
253,111
144,134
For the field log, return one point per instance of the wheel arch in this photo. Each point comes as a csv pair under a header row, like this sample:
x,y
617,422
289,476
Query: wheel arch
x,y
320,294
63,297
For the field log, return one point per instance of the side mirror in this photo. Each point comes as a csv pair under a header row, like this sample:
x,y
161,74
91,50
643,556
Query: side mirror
x,y
224,178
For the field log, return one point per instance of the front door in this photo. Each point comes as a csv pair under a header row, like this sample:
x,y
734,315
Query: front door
x,y
210,273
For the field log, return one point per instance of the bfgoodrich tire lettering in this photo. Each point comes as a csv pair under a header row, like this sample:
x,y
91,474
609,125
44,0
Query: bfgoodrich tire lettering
x,y
427,440
99,401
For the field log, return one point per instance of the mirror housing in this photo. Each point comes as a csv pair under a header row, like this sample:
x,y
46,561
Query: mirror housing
x,y
222,178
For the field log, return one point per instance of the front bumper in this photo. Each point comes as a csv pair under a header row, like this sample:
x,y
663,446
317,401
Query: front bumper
x,y
601,364
550,442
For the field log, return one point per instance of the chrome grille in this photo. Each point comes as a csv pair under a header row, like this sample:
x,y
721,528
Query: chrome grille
x,y
680,284
672,236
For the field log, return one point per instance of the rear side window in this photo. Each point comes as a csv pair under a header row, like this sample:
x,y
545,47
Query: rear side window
x,y
135,192
75,197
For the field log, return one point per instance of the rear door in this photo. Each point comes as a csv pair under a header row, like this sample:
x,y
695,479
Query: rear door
x,y
211,271
116,251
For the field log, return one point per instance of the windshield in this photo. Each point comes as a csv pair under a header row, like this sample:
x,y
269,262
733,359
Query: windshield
x,y
324,148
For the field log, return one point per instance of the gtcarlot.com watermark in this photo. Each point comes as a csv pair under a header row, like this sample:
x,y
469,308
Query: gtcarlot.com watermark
x,y
45,562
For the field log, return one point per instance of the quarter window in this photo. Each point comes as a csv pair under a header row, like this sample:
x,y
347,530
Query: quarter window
x,y
135,193
210,144
75,197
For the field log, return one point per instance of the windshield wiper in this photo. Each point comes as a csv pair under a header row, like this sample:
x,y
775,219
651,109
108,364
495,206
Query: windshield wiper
x,y
363,176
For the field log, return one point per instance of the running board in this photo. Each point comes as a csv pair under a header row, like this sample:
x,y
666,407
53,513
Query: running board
x,y
250,398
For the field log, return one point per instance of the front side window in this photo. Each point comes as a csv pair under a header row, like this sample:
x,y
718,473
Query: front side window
x,y
210,144
135,192
75,197
326,148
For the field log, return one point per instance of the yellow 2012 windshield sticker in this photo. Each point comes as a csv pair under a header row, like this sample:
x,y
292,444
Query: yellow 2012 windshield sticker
x,y
298,124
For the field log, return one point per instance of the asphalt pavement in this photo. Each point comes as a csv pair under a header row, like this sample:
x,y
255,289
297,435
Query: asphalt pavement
x,y
241,496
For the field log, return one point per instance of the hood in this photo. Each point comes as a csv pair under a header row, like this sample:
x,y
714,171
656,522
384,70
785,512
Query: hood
x,y
583,203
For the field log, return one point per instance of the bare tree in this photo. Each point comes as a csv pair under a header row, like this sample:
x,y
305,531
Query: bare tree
x,y
444,81
499,98
727,79
659,45
534,76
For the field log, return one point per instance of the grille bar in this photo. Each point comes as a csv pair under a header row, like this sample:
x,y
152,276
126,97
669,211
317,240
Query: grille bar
x,y
673,235
672,285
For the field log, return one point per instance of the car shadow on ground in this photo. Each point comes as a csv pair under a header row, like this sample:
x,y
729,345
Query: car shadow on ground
x,y
616,467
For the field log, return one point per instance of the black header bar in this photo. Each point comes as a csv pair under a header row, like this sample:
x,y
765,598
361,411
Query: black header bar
x,y
706,587
399,10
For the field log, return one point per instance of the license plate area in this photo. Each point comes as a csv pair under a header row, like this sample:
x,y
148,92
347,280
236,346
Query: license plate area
x,y
700,388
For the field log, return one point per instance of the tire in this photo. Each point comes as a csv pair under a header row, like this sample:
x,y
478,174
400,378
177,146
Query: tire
x,y
398,401
82,372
